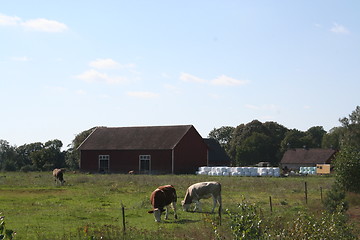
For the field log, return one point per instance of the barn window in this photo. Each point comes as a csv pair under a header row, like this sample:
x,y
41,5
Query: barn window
x,y
144,163
104,163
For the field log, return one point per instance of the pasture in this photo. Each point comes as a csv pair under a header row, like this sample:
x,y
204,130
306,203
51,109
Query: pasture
x,y
90,204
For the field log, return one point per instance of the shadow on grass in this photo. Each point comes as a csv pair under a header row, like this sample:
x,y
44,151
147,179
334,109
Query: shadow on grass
x,y
182,221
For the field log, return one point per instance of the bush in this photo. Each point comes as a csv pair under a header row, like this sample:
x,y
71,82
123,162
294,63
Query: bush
x,y
328,226
347,165
5,233
335,199
246,223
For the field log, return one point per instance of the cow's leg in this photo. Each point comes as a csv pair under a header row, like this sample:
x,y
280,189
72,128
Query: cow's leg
x,y
173,204
166,212
157,215
197,205
214,203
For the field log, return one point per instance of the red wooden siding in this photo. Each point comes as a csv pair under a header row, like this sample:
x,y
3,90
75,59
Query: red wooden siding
x,y
190,153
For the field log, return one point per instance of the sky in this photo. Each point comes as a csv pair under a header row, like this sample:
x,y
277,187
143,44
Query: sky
x,y
67,66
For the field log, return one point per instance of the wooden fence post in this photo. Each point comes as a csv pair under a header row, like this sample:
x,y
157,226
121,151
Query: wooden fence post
x,y
321,195
271,208
306,193
123,217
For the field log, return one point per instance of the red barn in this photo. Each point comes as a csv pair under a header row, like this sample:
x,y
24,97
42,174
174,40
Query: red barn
x,y
152,150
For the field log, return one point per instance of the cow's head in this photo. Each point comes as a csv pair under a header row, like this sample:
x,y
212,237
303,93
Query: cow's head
x,y
185,206
157,214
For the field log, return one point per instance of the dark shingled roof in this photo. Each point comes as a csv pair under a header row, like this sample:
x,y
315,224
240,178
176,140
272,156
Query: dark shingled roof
x,y
312,155
135,138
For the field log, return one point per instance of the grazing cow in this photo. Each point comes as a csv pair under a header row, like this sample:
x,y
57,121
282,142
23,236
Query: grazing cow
x,y
202,190
162,197
59,175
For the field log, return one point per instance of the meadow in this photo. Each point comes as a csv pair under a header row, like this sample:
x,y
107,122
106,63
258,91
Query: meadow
x,y
89,206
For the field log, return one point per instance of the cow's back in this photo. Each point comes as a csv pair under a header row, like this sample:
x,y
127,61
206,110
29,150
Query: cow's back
x,y
205,188
163,196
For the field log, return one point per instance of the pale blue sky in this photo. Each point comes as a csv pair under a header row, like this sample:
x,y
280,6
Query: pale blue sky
x,y
67,66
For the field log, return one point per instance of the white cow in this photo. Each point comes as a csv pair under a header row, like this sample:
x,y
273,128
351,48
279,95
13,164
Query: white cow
x,y
202,190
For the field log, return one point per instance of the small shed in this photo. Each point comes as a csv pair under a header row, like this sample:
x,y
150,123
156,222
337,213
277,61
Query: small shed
x,y
323,169
149,149
302,157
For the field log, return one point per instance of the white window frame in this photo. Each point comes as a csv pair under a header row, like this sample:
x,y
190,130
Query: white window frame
x,y
144,157
104,158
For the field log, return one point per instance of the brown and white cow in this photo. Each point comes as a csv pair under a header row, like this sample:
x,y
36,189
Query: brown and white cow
x,y
59,175
161,198
202,190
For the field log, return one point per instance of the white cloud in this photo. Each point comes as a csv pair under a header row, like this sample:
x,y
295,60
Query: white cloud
x,y
95,76
222,80
339,29
228,81
190,78
21,59
44,25
109,63
143,94
9,20
39,24
104,64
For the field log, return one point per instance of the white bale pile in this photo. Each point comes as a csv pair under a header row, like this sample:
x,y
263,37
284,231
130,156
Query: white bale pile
x,y
308,170
239,171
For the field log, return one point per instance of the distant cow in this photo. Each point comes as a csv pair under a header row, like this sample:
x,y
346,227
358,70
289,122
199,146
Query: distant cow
x,y
202,190
59,175
162,197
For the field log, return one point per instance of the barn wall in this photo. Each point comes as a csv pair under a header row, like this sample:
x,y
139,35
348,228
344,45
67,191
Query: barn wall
x,y
190,153
123,161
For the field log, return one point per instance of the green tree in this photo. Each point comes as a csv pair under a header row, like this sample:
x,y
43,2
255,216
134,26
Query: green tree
x,y
332,138
8,157
72,155
254,149
255,142
347,166
294,139
223,135
351,125
315,136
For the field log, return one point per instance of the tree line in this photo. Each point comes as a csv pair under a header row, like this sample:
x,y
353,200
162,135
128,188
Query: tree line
x,y
246,144
254,142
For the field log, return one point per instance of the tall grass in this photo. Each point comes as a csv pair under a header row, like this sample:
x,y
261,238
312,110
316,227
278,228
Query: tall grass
x,y
89,205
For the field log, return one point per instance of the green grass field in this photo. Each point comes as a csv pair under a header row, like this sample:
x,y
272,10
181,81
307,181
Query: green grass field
x,y
90,204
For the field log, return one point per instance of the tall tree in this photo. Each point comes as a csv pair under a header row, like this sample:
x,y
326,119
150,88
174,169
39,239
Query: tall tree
x,y
332,138
255,142
223,135
72,156
8,157
351,124
293,139
315,136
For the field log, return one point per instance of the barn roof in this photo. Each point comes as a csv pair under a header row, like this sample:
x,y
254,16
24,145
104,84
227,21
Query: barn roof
x,y
312,155
135,138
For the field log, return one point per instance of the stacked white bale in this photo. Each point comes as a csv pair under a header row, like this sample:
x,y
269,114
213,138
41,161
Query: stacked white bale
x,y
308,170
262,171
276,172
245,171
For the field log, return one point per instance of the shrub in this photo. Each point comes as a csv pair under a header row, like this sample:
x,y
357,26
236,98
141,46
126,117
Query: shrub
x,y
347,165
335,199
246,222
5,233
